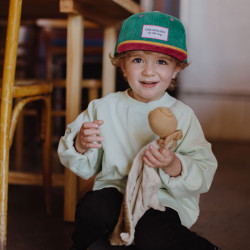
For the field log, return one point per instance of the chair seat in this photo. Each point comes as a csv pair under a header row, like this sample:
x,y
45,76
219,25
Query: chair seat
x,y
33,87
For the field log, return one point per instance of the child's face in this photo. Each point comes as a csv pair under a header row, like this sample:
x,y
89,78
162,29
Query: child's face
x,y
148,74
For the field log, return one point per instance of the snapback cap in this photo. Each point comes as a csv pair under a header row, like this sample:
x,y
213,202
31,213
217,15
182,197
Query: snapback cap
x,y
153,31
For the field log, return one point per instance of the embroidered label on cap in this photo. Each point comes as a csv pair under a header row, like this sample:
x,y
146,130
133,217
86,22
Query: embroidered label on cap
x,y
155,32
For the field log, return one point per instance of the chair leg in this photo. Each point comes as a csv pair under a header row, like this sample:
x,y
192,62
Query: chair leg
x,y
46,139
14,18
93,94
4,166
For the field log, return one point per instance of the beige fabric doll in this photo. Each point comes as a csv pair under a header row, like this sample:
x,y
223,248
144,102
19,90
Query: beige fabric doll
x,y
144,182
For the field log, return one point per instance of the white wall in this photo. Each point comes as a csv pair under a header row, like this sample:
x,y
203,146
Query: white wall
x,y
217,82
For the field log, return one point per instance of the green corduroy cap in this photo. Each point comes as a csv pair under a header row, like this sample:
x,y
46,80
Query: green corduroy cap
x,y
153,31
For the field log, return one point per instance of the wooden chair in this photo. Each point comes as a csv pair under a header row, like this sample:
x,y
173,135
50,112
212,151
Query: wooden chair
x,y
47,30
25,69
25,92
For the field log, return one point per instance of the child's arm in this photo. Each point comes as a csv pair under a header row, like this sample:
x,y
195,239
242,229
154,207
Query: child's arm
x,y
72,153
87,137
195,157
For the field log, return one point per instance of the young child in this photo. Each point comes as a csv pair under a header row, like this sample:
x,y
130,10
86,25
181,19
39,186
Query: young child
x,y
105,138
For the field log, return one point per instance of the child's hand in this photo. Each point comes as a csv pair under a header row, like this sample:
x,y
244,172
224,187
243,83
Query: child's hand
x,y
164,159
87,137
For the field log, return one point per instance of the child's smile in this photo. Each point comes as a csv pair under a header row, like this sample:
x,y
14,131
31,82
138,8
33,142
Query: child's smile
x,y
148,84
149,74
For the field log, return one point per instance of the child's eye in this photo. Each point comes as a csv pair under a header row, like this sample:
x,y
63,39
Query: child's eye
x,y
163,62
137,60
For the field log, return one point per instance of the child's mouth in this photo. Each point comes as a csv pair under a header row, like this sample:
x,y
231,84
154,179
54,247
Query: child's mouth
x,y
148,83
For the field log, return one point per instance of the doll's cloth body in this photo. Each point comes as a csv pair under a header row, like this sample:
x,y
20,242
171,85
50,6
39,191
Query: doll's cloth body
x,y
141,193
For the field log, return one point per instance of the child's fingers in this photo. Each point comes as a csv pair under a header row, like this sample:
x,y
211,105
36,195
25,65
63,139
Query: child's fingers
x,y
87,125
93,139
89,135
151,161
98,122
157,158
91,128
93,145
147,162
164,151
156,154
167,154
89,142
90,132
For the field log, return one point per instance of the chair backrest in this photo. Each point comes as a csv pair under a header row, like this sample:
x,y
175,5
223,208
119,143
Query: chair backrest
x,y
54,36
26,51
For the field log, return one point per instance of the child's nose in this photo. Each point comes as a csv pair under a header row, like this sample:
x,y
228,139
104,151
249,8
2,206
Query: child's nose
x,y
148,69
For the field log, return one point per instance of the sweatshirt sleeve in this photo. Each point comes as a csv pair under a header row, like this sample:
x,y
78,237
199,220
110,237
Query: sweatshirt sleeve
x,y
84,165
198,162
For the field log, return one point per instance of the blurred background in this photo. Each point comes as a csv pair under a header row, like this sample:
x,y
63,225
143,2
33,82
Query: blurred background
x,y
216,86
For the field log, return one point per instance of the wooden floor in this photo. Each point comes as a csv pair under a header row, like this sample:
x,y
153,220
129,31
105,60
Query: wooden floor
x,y
224,218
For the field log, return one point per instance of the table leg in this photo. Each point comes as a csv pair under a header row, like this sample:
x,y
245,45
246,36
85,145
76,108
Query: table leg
x,y
108,70
73,101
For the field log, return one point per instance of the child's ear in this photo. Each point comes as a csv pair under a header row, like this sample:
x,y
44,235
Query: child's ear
x,y
122,65
176,71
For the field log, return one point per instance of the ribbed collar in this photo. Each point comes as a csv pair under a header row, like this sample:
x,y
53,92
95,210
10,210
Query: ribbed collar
x,y
165,100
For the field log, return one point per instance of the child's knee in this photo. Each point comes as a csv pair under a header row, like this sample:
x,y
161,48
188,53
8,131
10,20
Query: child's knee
x,y
101,206
150,239
86,208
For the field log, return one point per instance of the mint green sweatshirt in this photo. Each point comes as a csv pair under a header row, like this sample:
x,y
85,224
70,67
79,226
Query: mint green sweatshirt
x,y
126,130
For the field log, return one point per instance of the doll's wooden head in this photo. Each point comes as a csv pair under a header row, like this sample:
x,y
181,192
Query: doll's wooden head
x,y
162,121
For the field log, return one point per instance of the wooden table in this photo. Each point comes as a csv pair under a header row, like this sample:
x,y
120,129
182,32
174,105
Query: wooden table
x,y
107,13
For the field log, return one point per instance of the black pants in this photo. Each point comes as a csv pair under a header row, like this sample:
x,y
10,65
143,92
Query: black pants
x,y
97,214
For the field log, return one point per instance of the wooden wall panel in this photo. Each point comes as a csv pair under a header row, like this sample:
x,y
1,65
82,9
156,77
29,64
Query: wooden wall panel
x,y
217,82
221,117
